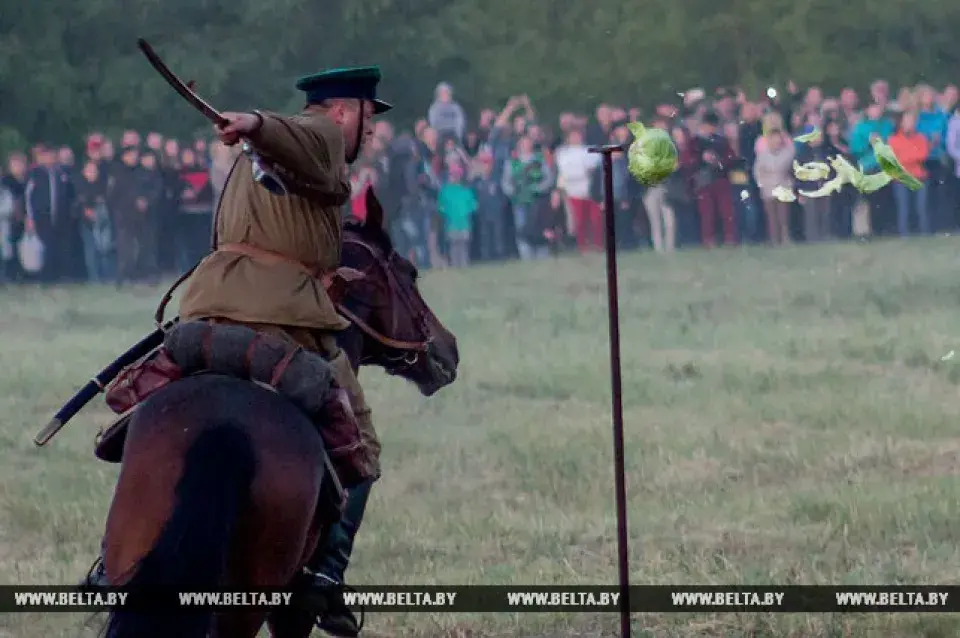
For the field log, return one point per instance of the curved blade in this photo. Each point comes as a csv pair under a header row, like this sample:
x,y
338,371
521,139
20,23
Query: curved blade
x,y
185,91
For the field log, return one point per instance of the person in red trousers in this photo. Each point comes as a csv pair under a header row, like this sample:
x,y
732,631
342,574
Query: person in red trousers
x,y
711,184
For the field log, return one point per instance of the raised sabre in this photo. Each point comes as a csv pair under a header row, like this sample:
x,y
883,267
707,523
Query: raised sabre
x,y
262,174
185,91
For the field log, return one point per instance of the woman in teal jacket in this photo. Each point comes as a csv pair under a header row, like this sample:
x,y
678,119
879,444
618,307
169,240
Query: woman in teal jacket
x,y
874,123
882,214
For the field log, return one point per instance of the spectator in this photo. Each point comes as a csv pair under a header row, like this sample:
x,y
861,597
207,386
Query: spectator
x,y
816,210
555,222
906,101
880,94
201,152
66,160
130,139
166,230
445,115
599,131
128,209
431,178
155,142
874,124
14,182
455,154
195,217
950,98
660,209
7,212
491,207
106,151
625,191
684,204
932,124
152,193
711,185
772,169
912,149
457,203
842,203
485,125
575,166
47,198
741,185
953,149
849,112
96,230
526,179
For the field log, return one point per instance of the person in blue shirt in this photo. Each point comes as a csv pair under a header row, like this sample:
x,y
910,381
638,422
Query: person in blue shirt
x,y
457,204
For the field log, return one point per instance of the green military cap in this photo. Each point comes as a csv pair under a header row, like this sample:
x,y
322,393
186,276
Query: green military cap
x,y
358,82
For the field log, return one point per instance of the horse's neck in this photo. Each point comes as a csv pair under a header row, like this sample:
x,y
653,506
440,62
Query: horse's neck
x,y
351,341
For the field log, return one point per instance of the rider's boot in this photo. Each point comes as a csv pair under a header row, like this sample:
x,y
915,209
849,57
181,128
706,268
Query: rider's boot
x,y
326,567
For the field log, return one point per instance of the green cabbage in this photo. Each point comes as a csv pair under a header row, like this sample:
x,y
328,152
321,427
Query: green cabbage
x,y
652,157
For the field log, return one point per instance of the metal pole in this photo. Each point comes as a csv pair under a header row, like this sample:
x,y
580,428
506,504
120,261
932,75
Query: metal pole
x,y
623,556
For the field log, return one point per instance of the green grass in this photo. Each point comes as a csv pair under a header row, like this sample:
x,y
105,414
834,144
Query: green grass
x,y
788,420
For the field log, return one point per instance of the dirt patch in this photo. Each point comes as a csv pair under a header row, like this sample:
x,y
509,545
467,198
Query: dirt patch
x,y
944,461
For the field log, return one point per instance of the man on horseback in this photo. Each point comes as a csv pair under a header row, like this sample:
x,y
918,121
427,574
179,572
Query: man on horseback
x,y
278,242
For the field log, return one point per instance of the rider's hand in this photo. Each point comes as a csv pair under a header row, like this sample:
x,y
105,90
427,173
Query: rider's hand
x,y
238,126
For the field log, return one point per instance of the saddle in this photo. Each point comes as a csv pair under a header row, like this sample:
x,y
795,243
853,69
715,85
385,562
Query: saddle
x,y
200,347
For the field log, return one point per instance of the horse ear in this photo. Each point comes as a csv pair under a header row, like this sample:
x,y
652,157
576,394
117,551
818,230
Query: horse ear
x,y
375,215
341,279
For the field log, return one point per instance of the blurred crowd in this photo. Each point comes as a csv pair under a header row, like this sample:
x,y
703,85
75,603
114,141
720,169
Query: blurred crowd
x,y
506,184
121,213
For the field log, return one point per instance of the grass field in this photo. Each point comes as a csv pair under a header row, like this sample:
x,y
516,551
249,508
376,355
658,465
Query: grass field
x,y
788,420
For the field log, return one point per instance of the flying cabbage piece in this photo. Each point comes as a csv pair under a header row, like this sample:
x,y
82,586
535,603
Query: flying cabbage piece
x,y
874,182
890,165
828,188
784,194
811,171
844,169
806,138
652,156
855,177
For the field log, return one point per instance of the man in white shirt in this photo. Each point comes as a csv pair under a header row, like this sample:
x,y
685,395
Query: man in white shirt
x,y
575,167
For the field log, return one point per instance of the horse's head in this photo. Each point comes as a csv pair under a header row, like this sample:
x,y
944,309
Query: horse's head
x,y
399,331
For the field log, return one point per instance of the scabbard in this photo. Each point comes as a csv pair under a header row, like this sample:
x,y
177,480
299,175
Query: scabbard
x,y
97,384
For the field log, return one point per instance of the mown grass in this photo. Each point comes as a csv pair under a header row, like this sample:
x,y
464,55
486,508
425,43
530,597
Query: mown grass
x,y
789,419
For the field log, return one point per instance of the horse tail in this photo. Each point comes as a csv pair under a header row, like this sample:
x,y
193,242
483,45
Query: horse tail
x,y
191,551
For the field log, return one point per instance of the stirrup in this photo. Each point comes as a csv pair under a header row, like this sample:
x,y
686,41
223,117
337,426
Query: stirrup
x,y
96,575
342,586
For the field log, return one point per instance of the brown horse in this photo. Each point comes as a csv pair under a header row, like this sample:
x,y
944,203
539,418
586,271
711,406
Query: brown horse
x,y
221,480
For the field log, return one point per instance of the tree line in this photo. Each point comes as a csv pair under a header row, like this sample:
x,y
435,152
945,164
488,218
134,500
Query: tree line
x,y
67,66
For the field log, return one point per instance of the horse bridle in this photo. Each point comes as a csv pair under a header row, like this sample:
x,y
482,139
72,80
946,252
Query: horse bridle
x,y
410,351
